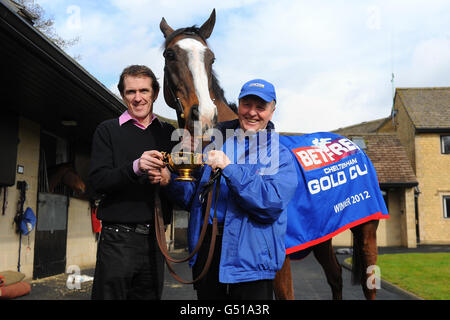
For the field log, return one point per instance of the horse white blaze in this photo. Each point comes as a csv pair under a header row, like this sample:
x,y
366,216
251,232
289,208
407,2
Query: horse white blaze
x,y
195,52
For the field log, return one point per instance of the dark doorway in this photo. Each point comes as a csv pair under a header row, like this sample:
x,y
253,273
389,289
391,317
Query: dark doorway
x,y
52,211
51,235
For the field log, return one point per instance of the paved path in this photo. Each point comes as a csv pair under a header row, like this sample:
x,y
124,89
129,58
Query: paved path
x,y
309,282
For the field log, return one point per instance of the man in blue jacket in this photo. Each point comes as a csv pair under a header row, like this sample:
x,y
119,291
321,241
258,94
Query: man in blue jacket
x,y
258,181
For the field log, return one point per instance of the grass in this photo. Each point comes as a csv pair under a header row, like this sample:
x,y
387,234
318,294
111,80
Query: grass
x,y
427,275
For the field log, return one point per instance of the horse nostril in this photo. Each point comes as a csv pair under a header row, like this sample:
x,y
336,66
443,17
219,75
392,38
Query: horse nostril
x,y
206,129
195,114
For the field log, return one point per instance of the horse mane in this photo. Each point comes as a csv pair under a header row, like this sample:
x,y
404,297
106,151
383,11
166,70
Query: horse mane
x,y
195,31
218,92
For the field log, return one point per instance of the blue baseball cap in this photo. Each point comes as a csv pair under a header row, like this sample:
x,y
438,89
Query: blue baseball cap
x,y
259,87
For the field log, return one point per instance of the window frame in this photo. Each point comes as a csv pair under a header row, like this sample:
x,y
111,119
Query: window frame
x,y
446,206
442,144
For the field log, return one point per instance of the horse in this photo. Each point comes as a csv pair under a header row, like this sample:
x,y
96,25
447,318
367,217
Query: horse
x,y
190,85
192,89
65,174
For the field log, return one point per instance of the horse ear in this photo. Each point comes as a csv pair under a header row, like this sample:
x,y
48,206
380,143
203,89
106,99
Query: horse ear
x,y
207,28
165,28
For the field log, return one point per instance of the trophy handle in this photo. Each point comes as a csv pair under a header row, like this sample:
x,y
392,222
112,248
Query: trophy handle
x,y
167,159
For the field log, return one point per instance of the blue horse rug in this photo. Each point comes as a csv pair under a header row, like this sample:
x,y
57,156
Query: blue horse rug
x,y
337,190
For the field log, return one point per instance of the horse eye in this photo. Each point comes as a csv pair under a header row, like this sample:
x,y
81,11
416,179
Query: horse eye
x,y
169,54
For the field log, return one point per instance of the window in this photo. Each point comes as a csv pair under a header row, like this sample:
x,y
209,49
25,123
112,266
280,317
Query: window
x,y
445,144
360,142
446,206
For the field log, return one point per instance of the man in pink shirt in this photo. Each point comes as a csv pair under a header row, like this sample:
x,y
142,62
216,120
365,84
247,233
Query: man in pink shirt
x,y
129,262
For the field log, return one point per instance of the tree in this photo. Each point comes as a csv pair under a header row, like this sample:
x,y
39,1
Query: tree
x,y
45,24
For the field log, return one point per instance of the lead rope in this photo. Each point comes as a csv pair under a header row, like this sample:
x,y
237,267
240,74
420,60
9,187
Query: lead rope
x,y
161,238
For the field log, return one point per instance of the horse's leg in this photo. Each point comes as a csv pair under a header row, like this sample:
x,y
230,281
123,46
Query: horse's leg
x,y
282,285
324,253
365,249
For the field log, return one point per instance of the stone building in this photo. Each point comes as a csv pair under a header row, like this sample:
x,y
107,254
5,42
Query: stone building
x,y
421,120
418,131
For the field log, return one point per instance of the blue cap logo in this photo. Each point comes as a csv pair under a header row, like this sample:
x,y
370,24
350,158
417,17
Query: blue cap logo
x,y
259,87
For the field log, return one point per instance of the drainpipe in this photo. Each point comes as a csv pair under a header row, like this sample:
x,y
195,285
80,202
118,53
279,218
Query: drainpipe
x,y
416,209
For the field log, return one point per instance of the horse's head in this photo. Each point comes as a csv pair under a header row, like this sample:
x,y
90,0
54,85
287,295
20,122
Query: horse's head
x,y
188,74
66,174
74,181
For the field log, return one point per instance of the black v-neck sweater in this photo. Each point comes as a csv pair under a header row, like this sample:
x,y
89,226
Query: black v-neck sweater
x,y
127,198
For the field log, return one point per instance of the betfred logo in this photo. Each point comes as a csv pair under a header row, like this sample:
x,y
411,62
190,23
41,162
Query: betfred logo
x,y
324,152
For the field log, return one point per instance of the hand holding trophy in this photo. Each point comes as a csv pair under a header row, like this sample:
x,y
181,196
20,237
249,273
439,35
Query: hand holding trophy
x,y
184,161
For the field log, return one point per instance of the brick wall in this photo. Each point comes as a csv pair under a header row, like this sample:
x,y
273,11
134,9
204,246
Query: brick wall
x,y
28,157
81,244
405,130
433,174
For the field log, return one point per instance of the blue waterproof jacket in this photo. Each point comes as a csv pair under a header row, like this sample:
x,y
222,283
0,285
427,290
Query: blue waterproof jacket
x,y
253,200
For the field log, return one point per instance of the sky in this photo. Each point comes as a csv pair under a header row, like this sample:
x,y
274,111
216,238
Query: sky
x,y
332,62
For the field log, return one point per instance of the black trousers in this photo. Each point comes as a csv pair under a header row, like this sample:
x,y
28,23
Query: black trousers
x,y
209,287
129,266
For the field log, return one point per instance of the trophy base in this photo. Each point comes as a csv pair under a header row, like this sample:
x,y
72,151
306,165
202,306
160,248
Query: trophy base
x,y
185,175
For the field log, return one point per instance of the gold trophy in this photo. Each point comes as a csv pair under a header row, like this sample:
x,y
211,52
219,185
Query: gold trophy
x,y
184,163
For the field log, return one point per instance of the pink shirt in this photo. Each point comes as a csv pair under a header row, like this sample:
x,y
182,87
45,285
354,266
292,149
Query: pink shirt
x,y
125,117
